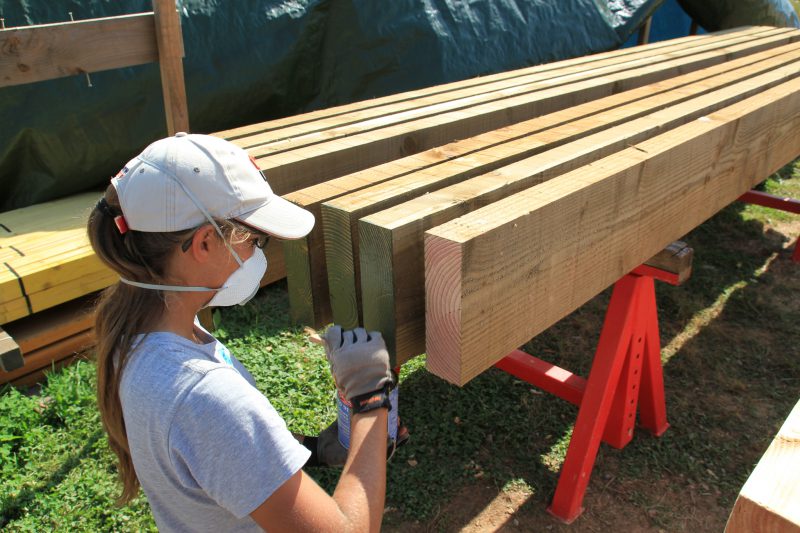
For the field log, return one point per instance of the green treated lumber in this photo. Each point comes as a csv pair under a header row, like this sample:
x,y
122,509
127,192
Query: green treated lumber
x,y
391,241
306,160
502,274
306,264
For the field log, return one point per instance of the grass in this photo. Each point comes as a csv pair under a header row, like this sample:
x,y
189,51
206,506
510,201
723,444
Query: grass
x,y
732,373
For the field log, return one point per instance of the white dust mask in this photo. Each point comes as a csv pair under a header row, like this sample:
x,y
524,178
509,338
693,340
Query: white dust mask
x,y
239,288
243,284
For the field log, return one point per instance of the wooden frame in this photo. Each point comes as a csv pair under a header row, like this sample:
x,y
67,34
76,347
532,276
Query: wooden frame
x,y
42,52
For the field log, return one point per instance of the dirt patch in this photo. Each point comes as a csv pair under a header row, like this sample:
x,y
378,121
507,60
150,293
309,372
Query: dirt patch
x,y
630,506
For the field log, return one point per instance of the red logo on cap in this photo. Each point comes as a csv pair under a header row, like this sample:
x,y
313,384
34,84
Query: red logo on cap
x,y
122,172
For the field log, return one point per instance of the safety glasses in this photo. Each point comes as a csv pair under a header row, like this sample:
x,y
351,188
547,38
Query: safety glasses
x,y
259,240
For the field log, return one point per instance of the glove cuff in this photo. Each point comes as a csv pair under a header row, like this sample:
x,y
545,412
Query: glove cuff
x,y
372,400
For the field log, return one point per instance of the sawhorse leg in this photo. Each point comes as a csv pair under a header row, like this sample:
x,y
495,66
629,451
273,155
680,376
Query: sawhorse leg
x,y
609,403
626,373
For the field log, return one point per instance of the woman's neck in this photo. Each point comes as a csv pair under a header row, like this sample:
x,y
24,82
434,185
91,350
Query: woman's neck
x,y
179,317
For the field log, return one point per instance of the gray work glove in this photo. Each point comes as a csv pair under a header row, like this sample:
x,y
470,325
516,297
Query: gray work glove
x,y
359,360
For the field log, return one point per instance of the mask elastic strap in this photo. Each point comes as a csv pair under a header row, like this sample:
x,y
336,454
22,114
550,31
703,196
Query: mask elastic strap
x,y
177,288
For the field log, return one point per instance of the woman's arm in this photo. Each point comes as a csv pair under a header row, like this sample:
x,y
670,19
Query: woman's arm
x,y
357,503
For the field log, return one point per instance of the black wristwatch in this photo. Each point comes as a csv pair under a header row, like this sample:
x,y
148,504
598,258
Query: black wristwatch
x,y
372,400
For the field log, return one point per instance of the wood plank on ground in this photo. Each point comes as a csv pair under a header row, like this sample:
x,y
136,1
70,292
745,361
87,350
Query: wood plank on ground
x,y
500,275
321,158
51,325
44,358
391,241
10,354
769,499
306,266
322,119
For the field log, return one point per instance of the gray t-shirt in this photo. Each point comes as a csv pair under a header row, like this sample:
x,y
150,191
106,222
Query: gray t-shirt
x,y
207,446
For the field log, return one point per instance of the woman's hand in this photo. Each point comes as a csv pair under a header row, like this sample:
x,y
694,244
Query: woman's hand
x,y
359,360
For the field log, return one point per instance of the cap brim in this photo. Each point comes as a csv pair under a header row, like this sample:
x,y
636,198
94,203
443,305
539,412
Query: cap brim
x,y
281,218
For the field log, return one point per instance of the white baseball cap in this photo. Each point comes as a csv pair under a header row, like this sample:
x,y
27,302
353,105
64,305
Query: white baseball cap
x,y
177,182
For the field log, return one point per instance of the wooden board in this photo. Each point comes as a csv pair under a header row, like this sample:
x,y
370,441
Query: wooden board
x,y
44,357
306,264
770,499
403,109
500,275
676,258
47,51
406,106
391,241
346,114
170,60
306,160
52,325
10,354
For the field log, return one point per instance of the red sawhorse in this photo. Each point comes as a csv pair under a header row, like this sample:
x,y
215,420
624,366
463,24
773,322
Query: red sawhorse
x,y
626,373
775,202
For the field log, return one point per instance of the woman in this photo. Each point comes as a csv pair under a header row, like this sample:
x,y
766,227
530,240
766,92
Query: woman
x,y
184,225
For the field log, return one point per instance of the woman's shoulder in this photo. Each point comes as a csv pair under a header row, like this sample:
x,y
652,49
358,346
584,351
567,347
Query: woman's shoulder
x,y
165,365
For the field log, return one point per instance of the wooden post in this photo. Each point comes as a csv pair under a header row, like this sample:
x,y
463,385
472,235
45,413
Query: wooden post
x,y
644,32
170,60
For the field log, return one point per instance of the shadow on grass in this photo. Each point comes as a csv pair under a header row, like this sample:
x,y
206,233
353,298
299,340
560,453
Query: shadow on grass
x,y
15,507
730,382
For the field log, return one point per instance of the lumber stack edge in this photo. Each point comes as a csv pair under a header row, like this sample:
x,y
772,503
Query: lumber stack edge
x,y
769,498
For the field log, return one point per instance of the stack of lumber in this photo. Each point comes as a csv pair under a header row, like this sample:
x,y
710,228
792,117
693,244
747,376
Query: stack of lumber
x,y
769,500
384,139
716,121
46,257
498,276
48,269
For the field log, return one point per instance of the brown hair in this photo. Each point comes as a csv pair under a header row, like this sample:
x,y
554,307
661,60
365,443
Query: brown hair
x,y
124,311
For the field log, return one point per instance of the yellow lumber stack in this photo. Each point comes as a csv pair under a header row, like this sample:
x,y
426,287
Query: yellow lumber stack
x,y
46,258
